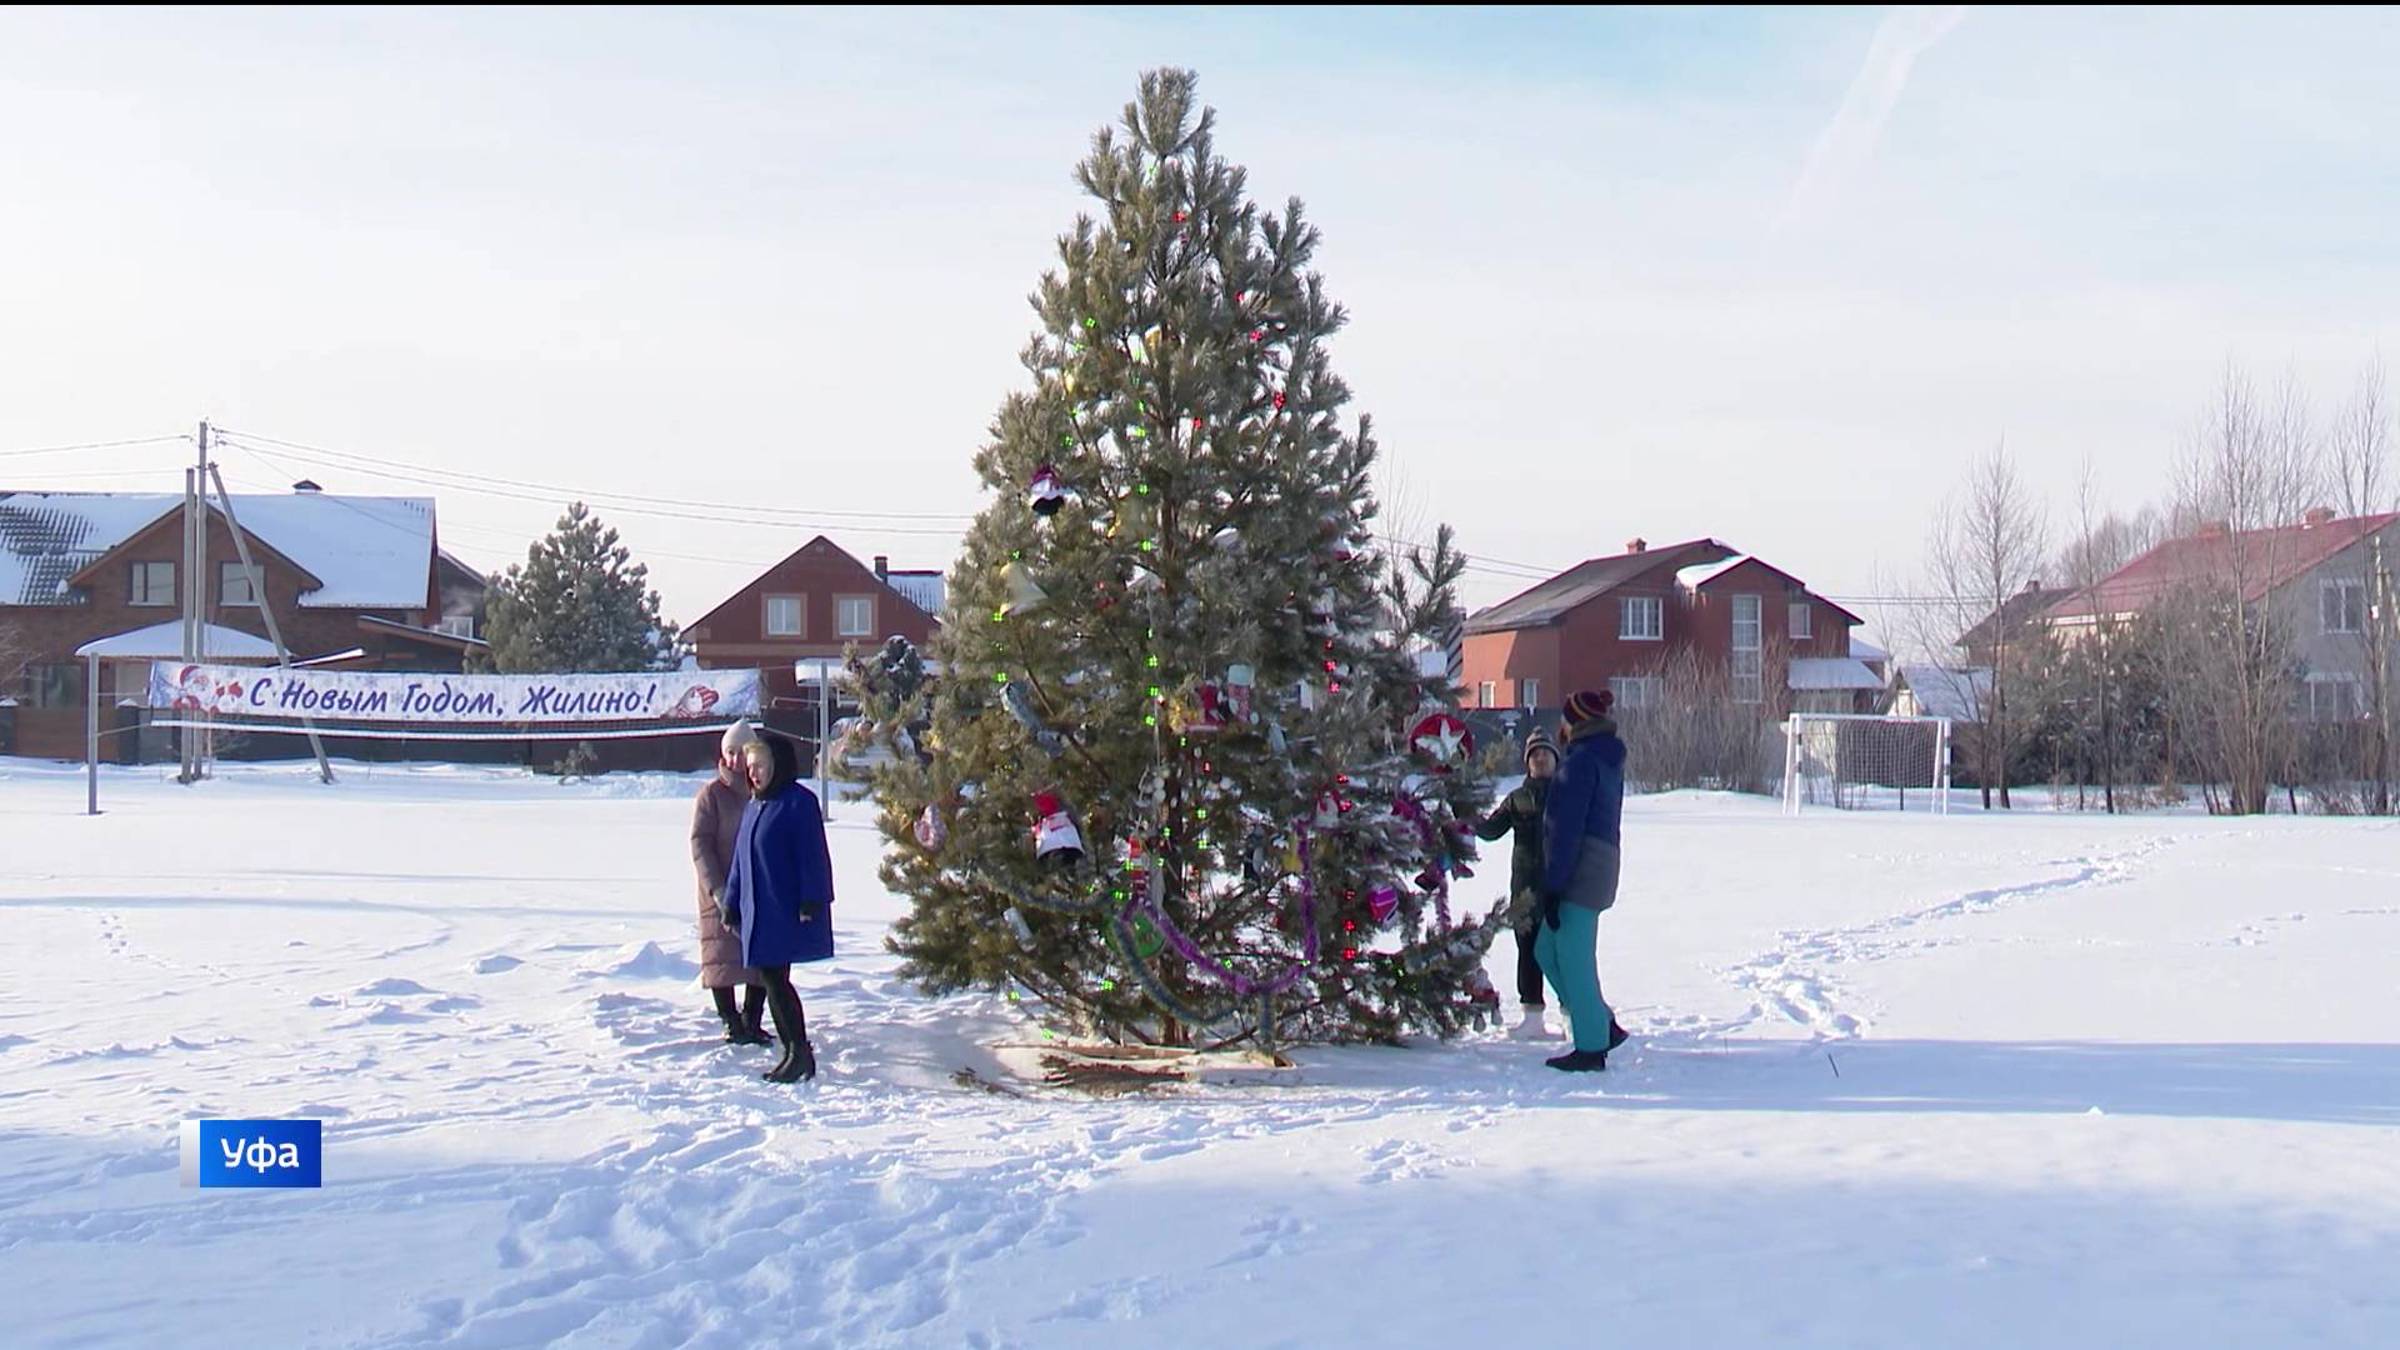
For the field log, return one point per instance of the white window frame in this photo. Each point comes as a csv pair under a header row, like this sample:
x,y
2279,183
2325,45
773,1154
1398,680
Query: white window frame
x,y
2333,595
1803,620
766,625
841,616
2349,707
228,573
1635,692
135,591
1749,659
457,625
1529,693
1487,694
1654,606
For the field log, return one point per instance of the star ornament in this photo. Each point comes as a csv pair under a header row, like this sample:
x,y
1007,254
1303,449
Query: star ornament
x,y
1443,739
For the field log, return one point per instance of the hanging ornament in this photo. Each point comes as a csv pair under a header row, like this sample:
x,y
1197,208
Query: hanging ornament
x,y
1147,940
1443,739
1046,492
1017,697
1203,712
1056,841
1279,400
1382,903
932,833
1018,926
1240,693
1017,583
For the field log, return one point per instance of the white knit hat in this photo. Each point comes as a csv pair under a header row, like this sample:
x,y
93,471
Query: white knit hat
x,y
737,736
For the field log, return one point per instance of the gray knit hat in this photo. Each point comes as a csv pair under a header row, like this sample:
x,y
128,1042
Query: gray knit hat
x,y
1539,740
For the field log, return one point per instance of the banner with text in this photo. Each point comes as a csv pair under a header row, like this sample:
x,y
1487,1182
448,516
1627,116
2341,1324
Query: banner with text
x,y
460,700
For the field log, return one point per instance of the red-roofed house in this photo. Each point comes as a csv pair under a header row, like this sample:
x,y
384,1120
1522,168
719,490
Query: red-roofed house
x,y
1614,622
817,603
2315,573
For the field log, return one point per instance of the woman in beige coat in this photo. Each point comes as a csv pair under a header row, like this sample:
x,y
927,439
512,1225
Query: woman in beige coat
x,y
716,819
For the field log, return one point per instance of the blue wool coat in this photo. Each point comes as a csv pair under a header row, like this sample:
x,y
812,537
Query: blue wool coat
x,y
1586,800
779,894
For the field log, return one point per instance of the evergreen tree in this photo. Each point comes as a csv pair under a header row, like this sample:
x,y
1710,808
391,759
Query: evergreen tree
x,y
1173,785
577,604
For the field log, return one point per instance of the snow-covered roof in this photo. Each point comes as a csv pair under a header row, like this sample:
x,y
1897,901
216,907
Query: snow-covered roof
x,y
1831,672
1942,692
1700,574
925,590
369,552
1863,650
164,642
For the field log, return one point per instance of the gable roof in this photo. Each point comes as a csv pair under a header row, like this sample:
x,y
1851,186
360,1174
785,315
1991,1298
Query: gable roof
x,y
1552,600
1707,574
1942,692
2014,614
891,582
2269,560
364,552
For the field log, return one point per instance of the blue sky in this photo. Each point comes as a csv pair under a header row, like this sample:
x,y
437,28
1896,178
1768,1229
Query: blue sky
x,y
1773,276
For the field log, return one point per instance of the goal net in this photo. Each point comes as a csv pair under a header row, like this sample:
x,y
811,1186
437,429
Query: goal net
x,y
1866,763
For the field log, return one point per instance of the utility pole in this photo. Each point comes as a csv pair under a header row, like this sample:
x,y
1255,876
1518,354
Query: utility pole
x,y
266,611
195,597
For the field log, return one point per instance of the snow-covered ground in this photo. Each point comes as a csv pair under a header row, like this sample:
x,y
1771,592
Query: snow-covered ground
x,y
2034,1080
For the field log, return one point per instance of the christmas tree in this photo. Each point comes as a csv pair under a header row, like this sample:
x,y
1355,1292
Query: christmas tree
x,y
1185,775
578,603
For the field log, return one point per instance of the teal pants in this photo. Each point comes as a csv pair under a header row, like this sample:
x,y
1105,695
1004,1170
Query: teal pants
x,y
1570,956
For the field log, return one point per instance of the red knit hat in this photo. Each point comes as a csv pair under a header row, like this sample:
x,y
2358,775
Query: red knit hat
x,y
1585,704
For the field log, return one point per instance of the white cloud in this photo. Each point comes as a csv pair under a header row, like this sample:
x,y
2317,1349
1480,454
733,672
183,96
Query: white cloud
x,y
1843,148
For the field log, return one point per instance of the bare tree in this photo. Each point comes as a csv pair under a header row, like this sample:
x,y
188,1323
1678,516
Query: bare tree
x,y
1987,546
2359,463
2251,471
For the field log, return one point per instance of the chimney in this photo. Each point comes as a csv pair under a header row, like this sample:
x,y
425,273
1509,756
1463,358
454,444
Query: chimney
x,y
2316,516
307,485
2215,529
2032,584
883,568
1637,544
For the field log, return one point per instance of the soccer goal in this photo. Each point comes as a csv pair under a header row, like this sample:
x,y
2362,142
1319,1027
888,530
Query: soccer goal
x,y
1866,763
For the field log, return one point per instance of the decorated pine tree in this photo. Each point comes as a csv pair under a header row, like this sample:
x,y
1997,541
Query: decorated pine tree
x,y
577,604
1187,774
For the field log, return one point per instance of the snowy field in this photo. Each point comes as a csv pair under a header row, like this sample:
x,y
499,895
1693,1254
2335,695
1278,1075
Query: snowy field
x,y
2037,1080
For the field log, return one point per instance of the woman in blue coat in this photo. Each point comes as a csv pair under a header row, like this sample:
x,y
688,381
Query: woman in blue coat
x,y
1579,877
779,894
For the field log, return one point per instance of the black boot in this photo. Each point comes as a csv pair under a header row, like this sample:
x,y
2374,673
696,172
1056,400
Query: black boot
x,y
741,1024
1579,1061
1617,1035
754,1007
791,1027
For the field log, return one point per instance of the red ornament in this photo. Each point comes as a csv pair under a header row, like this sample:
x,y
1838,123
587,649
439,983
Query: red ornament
x,y
1199,424
1279,398
1443,739
1258,335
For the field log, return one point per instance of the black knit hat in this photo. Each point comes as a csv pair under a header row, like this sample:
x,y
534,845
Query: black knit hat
x,y
1539,740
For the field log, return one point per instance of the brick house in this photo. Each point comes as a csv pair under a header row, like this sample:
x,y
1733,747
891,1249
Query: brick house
x,y
351,580
817,603
1618,622
2316,575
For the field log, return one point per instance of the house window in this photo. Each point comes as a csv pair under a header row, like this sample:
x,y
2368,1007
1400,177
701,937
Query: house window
x,y
785,617
1803,617
457,625
54,685
2333,698
2343,605
1487,694
153,584
1529,693
1637,691
1749,657
854,616
233,585
1642,618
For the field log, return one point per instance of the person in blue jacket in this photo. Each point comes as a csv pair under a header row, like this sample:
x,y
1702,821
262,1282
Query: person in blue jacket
x,y
779,893
1579,875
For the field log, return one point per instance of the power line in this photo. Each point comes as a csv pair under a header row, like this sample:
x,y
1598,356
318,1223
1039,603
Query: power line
x,y
89,445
